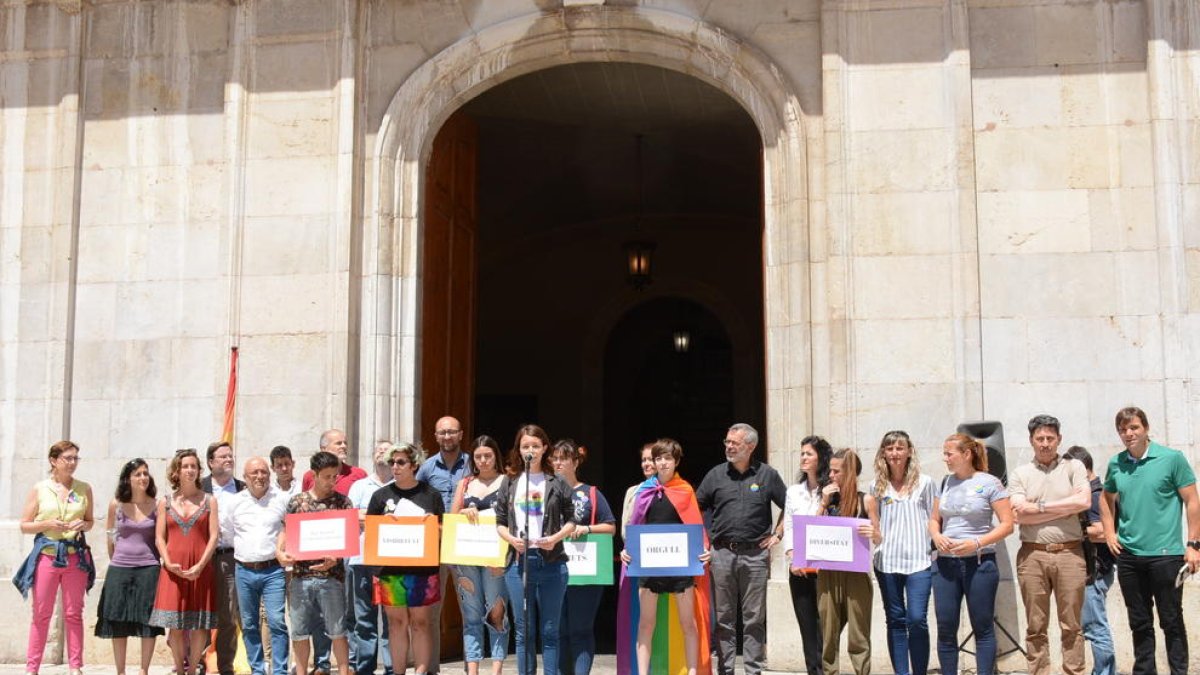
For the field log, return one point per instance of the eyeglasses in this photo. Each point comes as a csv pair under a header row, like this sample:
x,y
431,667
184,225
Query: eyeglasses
x,y
399,462
445,433
69,459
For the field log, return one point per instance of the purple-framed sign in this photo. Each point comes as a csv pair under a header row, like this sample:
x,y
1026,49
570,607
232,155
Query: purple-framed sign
x,y
830,543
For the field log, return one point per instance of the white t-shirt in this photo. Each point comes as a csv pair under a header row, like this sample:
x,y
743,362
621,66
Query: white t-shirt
x,y
529,496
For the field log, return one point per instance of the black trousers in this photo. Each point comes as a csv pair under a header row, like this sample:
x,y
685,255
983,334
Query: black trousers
x,y
1146,580
804,604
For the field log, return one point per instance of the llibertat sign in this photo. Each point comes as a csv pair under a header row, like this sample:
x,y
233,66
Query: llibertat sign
x,y
830,543
400,541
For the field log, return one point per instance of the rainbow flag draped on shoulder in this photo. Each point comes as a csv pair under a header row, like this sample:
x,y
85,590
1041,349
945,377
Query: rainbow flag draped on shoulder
x,y
667,657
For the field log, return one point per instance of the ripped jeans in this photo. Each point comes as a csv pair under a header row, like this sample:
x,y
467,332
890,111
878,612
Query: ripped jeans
x,y
479,590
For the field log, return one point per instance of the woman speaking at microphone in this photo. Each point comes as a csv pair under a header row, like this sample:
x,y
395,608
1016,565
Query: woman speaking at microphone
x,y
535,506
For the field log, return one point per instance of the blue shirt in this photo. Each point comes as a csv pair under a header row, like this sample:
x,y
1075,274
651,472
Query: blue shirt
x,y
443,478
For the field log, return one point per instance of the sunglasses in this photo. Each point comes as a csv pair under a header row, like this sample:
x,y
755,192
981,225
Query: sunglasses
x,y
399,462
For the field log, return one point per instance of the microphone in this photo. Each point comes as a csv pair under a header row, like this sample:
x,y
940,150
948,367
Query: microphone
x,y
528,456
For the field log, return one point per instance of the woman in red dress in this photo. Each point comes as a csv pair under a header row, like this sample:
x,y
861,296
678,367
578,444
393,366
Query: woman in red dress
x,y
186,534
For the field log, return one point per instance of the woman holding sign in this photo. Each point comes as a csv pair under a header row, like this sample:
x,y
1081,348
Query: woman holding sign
x,y
481,589
407,594
905,497
535,506
804,499
665,499
844,598
593,515
965,539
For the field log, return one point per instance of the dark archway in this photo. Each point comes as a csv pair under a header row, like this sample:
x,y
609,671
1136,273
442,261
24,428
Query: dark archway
x,y
654,388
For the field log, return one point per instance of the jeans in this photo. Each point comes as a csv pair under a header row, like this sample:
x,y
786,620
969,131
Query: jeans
x,y
741,582
266,586
547,586
46,582
579,628
1095,625
369,632
976,579
317,607
1146,580
906,607
479,589
804,604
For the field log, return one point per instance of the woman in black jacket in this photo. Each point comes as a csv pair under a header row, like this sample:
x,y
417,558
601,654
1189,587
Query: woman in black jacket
x,y
535,506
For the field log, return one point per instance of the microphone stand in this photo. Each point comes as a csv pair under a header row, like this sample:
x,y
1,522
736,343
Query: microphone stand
x,y
530,636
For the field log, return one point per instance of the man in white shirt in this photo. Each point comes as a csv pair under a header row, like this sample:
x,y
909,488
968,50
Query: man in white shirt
x,y
252,520
369,635
284,466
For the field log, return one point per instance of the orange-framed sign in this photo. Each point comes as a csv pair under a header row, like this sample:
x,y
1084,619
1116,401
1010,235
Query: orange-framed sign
x,y
321,534
401,541
478,545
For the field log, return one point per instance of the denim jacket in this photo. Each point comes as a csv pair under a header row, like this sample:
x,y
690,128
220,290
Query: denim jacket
x,y
559,510
23,578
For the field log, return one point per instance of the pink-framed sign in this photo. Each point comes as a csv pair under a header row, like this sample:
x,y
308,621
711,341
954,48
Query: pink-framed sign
x,y
830,543
322,534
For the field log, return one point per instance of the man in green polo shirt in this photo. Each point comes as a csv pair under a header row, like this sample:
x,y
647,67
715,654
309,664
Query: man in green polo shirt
x,y
1151,483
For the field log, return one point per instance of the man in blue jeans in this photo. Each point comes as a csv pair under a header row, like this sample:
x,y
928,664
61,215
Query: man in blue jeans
x,y
1095,615
252,520
1151,484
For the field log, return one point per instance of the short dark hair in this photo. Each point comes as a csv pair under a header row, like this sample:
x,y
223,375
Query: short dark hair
x,y
667,446
1039,421
324,460
212,450
571,449
280,452
1080,453
125,488
1124,415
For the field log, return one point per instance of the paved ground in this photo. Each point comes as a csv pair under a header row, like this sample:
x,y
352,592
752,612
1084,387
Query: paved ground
x,y
605,664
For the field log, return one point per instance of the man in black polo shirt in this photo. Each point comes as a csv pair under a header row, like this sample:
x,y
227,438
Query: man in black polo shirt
x,y
737,495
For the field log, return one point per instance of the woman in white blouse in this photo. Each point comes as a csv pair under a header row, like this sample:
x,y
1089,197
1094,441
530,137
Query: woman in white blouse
x,y
804,499
902,563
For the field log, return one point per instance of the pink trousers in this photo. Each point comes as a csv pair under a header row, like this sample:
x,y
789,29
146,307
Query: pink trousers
x,y
45,589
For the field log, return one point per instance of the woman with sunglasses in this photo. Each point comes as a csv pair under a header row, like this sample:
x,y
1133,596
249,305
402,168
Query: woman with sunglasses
x,y
535,507
481,591
408,593
58,510
129,586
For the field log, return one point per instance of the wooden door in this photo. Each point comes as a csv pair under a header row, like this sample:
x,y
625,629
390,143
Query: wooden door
x,y
447,333
448,268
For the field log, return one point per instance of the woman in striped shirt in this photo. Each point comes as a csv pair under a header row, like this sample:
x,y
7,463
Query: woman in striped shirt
x,y
902,565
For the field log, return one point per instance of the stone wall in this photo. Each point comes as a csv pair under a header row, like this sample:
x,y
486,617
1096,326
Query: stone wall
x,y
973,209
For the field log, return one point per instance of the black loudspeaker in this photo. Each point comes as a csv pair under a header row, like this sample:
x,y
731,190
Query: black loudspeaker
x,y
991,434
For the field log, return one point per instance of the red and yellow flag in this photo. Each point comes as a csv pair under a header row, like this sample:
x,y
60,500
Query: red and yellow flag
x,y
230,397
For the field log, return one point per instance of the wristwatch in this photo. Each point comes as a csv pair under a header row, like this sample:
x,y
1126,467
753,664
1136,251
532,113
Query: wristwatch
x,y
1041,506
1194,543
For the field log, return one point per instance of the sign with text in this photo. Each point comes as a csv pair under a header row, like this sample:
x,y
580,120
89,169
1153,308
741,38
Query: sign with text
x,y
400,541
590,560
830,543
665,550
466,544
321,534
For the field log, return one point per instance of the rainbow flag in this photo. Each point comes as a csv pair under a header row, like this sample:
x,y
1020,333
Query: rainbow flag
x,y
666,651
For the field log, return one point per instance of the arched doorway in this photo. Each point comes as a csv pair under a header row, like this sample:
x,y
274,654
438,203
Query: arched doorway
x,y
668,371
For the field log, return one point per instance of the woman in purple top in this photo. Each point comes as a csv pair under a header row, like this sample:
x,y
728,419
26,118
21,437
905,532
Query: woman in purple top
x,y
129,585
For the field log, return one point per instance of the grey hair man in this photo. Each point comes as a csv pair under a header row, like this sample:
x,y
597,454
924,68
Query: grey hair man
x,y
738,495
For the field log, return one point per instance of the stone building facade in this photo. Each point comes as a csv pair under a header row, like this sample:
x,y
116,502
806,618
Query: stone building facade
x,y
969,209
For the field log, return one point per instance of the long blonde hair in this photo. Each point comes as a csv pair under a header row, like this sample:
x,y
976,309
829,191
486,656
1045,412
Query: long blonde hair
x,y
883,475
848,482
